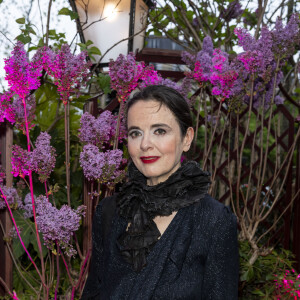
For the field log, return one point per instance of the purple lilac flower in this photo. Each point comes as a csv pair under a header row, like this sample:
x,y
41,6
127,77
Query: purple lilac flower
x,y
233,11
101,166
125,74
27,206
6,111
12,197
18,110
201,63
100,131
69,72
58,225
21,74
286,37
42,158
20,161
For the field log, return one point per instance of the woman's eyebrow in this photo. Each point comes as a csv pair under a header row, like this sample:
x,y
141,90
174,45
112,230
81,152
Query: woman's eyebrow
x,y
152,126
160,125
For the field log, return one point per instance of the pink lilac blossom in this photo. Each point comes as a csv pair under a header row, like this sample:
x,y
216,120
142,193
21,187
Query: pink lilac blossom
x,y
20,161
21,74
6,111
125,74
101,166
18,110
101,131
12,197
149,77
42,158
223,76
58,225
69,71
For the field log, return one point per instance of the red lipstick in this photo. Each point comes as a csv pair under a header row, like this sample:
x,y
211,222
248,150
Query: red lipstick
x,y
149,159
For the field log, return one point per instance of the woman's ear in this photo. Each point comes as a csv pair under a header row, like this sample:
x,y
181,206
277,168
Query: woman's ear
x,y
188,139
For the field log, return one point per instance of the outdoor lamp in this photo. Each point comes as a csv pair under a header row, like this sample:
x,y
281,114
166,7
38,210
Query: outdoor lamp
x,y
107,22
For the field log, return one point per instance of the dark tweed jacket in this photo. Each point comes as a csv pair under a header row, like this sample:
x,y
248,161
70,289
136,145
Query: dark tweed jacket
x,y
196,258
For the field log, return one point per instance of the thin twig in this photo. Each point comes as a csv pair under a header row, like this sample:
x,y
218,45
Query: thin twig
x,y
48,22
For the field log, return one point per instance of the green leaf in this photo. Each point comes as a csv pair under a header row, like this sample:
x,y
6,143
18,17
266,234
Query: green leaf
x,y
104,83
94,50
64,11
89,43
1,1
67,12
21,21
29,29
25,39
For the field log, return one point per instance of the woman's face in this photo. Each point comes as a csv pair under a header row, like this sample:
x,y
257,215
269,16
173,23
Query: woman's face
x,y
155,143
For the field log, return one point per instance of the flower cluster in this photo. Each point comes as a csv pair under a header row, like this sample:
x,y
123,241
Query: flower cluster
x,y
21,74
233,11
288,286
27,206
19,113
58,225
6,111
42,158
69,72
223,76
201,63
101,131
20,161
102,166
12,197
125,74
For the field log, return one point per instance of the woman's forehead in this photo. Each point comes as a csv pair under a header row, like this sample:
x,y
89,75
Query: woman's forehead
x,y
148,112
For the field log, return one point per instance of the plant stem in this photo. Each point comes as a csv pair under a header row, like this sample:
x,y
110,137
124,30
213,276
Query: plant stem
x,y
57,274
116,140
19,235
67,151
32,199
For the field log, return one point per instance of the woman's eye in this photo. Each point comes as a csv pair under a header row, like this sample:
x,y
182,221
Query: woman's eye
x,y
134,134
160,131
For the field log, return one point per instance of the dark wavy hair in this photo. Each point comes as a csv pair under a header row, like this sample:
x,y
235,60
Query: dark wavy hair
x,y
168,97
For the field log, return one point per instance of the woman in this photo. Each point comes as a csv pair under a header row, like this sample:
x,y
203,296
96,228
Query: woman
x,y
167,238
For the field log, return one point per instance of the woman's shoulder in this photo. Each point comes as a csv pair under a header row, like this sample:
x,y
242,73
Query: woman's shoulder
x,y
211,210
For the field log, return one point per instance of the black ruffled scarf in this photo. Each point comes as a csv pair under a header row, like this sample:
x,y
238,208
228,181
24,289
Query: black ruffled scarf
x,y
139,204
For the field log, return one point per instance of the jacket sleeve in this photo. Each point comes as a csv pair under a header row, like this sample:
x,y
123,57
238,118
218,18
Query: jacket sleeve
x,y
221,274
92,286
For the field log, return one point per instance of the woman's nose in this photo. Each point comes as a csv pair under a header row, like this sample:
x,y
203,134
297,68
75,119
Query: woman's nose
x,y
146,143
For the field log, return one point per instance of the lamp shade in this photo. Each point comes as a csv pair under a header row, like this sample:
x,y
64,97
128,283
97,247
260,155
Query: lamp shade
x,y
107,22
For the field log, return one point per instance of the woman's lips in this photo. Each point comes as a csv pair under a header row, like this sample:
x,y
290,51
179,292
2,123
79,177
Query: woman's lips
x,y
149,159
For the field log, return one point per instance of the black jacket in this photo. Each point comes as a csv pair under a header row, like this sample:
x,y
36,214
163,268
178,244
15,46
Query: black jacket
x,y
196,258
